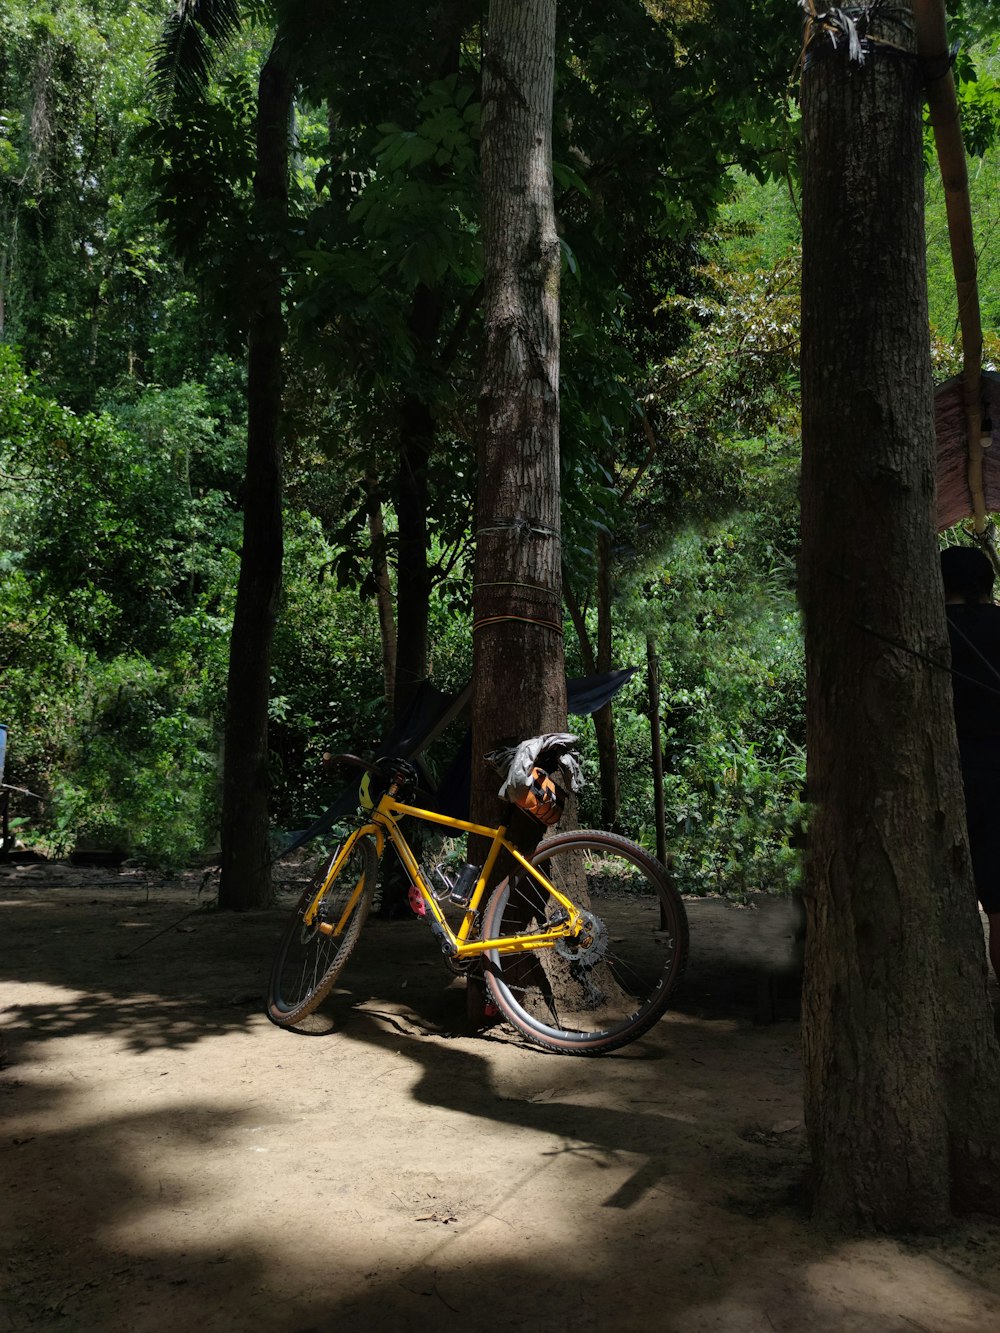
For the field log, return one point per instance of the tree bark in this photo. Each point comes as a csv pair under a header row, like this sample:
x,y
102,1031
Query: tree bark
x,y
383,588
518,674
656,747
414,577
519,685
246,862
604,722
902,1075
593,662
413,573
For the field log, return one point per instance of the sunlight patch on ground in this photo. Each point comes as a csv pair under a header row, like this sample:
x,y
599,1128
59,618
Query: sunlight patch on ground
x,y
880,1278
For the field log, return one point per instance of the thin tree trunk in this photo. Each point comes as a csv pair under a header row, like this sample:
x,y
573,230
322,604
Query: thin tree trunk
x,y
604,722
576,614
383,589
246,863
902,1080
656,743
604,726
414,578
413,574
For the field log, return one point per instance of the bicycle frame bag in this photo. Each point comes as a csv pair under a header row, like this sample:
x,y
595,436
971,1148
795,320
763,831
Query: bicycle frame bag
x,y
531,771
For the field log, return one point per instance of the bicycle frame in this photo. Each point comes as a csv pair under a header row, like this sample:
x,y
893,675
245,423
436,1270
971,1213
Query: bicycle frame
x,y
383,822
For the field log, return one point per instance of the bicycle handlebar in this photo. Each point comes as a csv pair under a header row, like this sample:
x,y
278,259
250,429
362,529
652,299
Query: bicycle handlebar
x,y
330,759
390,769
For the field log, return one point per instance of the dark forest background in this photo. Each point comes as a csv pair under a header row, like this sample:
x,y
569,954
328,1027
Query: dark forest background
x,y
129,255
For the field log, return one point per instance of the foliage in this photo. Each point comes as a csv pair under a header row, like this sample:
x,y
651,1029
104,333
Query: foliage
x,y
113,604
327,689
719,602
82,271
127,254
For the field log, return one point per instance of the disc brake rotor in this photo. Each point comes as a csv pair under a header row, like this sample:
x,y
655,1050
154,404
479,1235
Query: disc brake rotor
x,y
590,945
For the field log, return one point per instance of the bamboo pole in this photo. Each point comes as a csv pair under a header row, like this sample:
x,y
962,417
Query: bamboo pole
x,y
942,102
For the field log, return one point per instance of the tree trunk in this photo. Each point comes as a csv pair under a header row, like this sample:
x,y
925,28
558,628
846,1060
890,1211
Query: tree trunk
x,y
604,726
579,619
518,674
246,862
604,722
414,579
519,685
413,574
383,588
656,745
902,1077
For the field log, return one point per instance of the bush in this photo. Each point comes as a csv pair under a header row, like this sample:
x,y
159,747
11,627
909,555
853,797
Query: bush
x,y
115,639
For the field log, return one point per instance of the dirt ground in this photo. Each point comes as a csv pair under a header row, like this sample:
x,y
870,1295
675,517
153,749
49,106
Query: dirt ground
x,y
171,1161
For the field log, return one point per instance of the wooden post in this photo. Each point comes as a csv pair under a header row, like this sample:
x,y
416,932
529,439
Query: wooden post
x,y
942,103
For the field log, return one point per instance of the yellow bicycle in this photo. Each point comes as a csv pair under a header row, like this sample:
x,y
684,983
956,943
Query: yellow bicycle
x,y
581,945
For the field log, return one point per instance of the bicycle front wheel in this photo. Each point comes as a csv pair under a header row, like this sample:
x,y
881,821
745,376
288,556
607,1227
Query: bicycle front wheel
x,y
309,961
605,988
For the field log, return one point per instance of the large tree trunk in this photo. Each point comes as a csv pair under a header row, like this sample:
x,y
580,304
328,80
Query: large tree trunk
x,y
518,674
902,1077
246,862
519,686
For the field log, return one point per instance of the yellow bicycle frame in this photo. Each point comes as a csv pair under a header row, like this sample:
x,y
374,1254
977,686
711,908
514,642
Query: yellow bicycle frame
x,y
383,821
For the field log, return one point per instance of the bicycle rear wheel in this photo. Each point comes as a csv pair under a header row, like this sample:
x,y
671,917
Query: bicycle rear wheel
x,y
308,962
596,993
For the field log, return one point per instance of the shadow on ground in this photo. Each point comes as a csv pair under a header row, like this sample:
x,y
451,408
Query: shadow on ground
x,y
171,1158
158,966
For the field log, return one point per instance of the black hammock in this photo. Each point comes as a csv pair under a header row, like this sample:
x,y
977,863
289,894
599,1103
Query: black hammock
x,y
430,712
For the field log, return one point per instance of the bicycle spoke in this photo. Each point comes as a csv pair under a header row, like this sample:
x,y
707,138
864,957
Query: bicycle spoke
x,y
612,982
309,961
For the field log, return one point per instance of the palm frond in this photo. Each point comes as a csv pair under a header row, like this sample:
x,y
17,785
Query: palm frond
x,y
192,37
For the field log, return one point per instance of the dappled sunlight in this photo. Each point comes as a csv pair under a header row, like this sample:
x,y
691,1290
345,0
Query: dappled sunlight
x,y
902,1284
142,1022
678,1018
12,904
168,1214
194,1163
77,970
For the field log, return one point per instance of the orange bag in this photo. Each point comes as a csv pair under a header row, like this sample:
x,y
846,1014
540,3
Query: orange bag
x,y
542,798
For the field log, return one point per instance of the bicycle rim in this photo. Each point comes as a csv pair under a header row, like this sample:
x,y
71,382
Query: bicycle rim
x,y
610,986
309,962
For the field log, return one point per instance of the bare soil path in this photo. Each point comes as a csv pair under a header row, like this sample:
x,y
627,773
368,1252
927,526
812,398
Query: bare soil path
x,y
170,1161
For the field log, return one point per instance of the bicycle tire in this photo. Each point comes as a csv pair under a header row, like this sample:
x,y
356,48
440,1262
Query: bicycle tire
x,y
589,998
308,963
